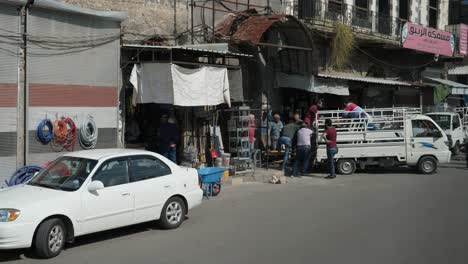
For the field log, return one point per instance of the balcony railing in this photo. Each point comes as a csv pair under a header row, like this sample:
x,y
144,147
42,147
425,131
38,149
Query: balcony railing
x,y
325,13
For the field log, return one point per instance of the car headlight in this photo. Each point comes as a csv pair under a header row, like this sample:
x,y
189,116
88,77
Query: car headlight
x,y
9,215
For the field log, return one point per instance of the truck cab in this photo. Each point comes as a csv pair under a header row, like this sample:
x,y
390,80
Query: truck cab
x,y
452,125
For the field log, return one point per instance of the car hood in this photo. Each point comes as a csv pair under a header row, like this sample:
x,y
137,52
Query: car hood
x,y
22,196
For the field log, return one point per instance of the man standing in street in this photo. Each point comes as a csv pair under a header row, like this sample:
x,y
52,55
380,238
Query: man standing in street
x,y
168,139
302,150
276,127
288,136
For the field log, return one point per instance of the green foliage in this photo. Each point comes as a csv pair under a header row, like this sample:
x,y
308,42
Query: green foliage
x,y
342,46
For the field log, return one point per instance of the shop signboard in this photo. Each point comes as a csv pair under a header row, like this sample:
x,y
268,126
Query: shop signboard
x,y
463,39
426,39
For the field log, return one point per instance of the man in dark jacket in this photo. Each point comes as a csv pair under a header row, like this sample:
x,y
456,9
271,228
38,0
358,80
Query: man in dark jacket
x,y
288,136
168,139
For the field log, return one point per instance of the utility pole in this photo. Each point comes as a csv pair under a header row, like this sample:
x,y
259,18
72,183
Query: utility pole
x,y
22,127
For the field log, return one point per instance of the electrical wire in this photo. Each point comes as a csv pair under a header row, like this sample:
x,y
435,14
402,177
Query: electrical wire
x,y
65,133
45,135
22,175
88,134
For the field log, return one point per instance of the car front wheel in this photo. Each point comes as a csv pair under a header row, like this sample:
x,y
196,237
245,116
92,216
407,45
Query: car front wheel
x,y
50,238
173,213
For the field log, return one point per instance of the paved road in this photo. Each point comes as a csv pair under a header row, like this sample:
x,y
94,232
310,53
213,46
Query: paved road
x,y
397,217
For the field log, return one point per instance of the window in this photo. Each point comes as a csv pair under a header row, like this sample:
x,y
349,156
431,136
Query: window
x,y
455,122
362,11
424,128
362,4
113,172
442,120
433,13
404,8
146,167
65,173
335,7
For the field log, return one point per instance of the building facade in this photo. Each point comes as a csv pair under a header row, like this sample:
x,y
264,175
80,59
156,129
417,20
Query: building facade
x,y
72,71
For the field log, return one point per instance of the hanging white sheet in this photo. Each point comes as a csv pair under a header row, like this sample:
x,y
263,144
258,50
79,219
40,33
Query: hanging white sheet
x,y
152,83
166,83
199,87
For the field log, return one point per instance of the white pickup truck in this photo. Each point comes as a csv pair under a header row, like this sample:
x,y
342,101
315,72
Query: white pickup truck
x,y
390,137
454,125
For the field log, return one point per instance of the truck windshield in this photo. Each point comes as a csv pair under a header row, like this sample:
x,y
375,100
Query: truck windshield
x,y
65,173
442,120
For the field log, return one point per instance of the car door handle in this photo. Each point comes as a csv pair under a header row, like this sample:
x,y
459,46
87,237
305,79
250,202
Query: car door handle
x,y
126,194
167,186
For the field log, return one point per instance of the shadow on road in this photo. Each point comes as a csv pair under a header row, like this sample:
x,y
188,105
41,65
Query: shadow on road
x,y
11,255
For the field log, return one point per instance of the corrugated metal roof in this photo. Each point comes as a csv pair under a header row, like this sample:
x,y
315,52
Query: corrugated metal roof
x,y
449,83
459,70
364,79
253,28
189,48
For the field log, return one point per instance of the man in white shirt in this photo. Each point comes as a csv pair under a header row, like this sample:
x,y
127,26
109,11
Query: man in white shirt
x,y
303,150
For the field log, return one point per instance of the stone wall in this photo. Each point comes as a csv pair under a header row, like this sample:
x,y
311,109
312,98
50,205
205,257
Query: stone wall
x,y
145,17
156,17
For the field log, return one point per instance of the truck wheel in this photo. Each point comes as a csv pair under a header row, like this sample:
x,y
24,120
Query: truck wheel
x,y
346,166
427,165
456,149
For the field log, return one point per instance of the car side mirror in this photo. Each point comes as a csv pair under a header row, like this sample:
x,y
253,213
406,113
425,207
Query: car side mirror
x,y
95,186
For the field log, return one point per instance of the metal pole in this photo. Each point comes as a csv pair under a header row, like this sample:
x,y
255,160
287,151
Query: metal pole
x,y
248,4
175,22
268,7
191,23
213,22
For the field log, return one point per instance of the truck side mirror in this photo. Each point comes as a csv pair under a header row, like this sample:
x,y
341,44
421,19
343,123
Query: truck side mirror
x,y
437,134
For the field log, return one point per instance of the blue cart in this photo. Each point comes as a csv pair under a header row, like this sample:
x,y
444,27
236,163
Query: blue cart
x,y
210,180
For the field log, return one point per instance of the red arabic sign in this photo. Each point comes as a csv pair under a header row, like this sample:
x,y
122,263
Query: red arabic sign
x,y
426,39
463,39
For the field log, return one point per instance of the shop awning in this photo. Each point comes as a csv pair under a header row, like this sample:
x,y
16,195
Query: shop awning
x,y
349,77
312,84
458,70
166,83
457,88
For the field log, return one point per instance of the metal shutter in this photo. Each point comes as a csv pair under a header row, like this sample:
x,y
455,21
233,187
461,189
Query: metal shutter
x,y
72,82
9,32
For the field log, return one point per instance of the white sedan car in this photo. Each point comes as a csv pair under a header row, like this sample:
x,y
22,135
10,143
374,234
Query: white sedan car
x,y
91,191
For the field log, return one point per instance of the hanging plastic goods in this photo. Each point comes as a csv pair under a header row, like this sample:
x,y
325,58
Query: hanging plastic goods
x,y
65,133
88,134
45,131
22,175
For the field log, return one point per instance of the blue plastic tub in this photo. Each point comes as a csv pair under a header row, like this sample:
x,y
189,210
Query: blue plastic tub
x,y
211,174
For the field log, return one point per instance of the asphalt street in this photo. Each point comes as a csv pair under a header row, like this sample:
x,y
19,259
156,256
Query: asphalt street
x,y
377,217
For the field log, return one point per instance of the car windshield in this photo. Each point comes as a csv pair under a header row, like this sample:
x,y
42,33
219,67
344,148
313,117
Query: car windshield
x,y
442,120
65,173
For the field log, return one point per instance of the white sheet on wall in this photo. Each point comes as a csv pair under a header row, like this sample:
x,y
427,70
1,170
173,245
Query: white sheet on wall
x,y
166,83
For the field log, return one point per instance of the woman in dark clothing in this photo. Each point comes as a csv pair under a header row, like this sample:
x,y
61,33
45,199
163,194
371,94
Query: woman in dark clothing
x,y
330,137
